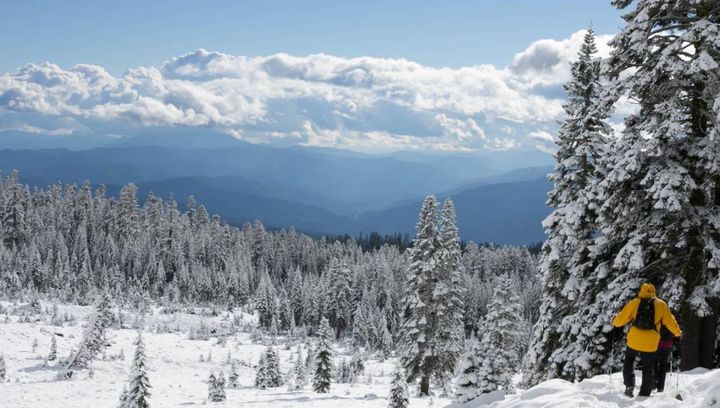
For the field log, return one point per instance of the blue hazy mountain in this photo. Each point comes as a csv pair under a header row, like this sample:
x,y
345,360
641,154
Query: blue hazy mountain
x,y
239,207
317,190
507,213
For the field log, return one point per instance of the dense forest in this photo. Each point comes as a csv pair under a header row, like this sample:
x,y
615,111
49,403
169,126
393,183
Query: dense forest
x,y
71,243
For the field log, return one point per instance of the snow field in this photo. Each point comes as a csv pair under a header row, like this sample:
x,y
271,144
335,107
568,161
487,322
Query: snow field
x,y
698,388
179,378
177,375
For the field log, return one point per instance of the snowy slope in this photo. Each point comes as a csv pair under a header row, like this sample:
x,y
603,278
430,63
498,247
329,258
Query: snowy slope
x,y
698,388
177,376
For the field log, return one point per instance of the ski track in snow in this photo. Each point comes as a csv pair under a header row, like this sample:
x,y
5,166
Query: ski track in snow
x,y
179,378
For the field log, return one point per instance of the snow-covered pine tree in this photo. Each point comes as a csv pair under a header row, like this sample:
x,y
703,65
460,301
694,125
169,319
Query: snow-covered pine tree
x,y
566,260
662,190
3,368
122,402
385,340
94,337
300,373
357,365
212,386
266,302
234,377
221,383
467,383
216,388
81,357
323,358
104,310
294,285
53,349
310,357
272,361
267,373
127,212
138,392
418,334
448,295
13,211
346,372
261,375
501,339
361,330
339,297
341,372
399,396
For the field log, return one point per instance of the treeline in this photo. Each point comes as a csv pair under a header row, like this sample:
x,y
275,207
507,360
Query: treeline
x,y
375,240
72,243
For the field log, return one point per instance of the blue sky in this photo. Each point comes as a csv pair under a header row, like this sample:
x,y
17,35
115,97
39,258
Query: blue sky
x,y
123,34
365,75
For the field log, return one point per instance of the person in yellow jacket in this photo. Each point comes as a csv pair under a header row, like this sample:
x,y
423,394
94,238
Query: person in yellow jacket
x,y
643,337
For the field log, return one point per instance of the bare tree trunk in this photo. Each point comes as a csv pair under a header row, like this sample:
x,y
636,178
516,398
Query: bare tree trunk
x,y
424,386
690,355
708,331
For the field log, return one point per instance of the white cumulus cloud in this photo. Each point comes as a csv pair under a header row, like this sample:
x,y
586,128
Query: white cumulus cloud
x,y
359,103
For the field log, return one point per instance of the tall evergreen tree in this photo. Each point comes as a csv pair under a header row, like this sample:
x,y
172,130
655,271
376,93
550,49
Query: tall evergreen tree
x,y
267,373
92,341
340,297
501,339
323,358
3,368
13,209
299,372
566,259
234,377
127,212
52,356
660,196
663,187
261,373
266,301
419,331
216,388
399,396
138,392
448,294
467,383
272,360
384,339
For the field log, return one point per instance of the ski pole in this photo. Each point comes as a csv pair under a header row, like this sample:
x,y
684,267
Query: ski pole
x,y
677,378
612,354
677,382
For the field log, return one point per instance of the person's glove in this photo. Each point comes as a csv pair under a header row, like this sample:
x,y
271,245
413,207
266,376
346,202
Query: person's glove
x,y
617,334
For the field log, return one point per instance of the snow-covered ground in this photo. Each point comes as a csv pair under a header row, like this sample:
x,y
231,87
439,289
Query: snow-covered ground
x,y
697,388
178,377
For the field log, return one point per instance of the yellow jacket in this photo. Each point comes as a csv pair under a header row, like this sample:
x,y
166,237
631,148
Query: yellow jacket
x,y
646,340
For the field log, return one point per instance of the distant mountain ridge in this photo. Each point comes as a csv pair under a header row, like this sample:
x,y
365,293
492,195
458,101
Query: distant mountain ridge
x,y
314,190
507,213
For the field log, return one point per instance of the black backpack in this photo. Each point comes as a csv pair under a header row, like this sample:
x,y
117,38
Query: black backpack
x,y
645,316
